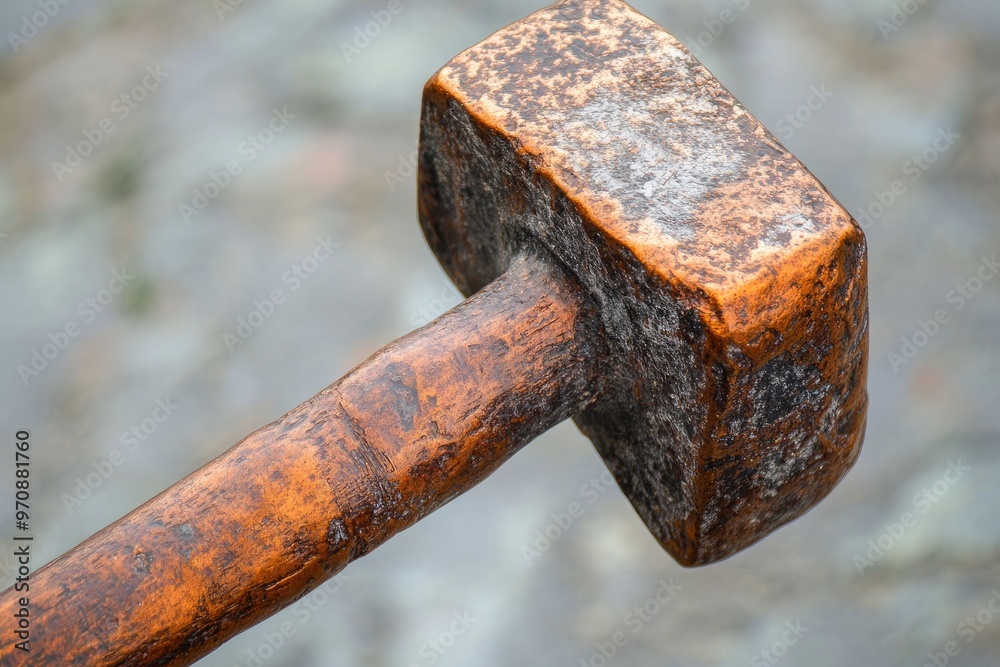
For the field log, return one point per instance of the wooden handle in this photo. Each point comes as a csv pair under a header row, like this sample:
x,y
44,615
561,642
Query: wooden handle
x,y
421,421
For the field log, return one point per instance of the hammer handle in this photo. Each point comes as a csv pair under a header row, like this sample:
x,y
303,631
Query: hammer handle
x,y
423,420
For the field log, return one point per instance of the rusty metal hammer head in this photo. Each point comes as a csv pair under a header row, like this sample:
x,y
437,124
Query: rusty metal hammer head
x,y
731,284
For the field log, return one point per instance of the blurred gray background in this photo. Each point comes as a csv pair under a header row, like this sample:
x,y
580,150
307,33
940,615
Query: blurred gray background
x,y
845,585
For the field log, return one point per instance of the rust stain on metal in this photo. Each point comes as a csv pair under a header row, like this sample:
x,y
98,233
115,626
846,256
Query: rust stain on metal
x,y
731,284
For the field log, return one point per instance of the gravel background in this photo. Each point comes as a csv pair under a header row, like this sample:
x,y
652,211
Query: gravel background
x,y
62,235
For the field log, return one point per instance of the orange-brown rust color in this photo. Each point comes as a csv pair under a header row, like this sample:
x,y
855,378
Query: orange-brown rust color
x,y
648,259
420,422
731,284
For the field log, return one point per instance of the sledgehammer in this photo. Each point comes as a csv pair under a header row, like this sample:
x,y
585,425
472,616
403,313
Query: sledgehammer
x,y
642,255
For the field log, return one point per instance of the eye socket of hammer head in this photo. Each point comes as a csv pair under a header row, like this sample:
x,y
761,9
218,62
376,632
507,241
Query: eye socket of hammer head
x,y
732,285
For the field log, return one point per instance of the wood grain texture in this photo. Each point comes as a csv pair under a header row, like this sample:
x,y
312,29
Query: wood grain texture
x,y
732,285
420,422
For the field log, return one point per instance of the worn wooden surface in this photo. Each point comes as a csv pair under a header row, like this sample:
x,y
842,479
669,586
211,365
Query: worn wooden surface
x,y
420,422
733,286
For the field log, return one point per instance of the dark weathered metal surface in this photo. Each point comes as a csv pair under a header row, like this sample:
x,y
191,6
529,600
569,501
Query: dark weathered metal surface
x,y
732,284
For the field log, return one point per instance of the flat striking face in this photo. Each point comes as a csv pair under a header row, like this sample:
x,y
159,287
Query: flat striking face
x,y
731,282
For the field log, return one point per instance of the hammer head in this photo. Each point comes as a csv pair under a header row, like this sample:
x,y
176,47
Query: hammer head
x,y
731,284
